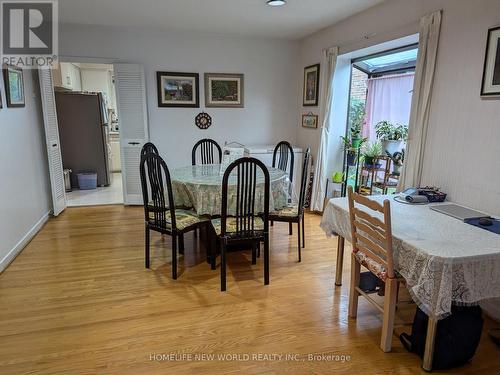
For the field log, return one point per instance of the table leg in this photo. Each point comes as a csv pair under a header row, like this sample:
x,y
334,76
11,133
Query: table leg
x,y
340,261
429,344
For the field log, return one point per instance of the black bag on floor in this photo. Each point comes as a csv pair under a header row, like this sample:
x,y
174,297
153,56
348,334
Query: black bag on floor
x,y
457,336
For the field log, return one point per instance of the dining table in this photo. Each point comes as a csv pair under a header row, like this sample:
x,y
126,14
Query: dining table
x,y
443,260
199,187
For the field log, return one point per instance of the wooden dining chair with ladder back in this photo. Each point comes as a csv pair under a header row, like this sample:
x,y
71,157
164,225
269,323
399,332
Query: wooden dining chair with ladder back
x,y
244,212
160,214
294,213
372,248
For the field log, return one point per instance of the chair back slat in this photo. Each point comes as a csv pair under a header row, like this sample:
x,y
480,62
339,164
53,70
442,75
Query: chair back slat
x,y
372,231
283,158
157,191
372,245
208,150
245,170
303,182
371,235
371,220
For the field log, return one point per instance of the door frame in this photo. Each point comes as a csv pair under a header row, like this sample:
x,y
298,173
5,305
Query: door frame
x,y
98,60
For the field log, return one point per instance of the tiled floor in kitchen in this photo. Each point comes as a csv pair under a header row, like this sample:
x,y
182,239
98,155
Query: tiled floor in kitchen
x,y
112,194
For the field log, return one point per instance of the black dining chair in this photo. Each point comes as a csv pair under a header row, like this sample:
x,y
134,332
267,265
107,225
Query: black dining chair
x,y
283,158
160,214
294,213
209,151
246,224
149,148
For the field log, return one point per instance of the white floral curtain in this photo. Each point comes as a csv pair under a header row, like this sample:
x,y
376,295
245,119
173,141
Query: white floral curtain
x,y
411,174
328,64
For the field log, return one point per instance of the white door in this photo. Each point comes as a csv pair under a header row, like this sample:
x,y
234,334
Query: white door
x,y
52,141
133,121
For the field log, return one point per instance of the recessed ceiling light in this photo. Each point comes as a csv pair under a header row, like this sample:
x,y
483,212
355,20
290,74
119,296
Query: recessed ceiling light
x,y
276,3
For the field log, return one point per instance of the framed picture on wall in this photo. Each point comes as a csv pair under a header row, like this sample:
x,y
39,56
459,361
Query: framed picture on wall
x,y
14,86
310,121
311,85
178,89
491,73
224,90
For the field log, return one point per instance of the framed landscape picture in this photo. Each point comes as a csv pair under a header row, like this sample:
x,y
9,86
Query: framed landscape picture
x,y
224,90
178,89
14,86
310,121
311,85
491,73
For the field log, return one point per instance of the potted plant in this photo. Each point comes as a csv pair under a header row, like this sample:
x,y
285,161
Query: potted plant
x,y
392,136
370,152
356,118
351,150
397,161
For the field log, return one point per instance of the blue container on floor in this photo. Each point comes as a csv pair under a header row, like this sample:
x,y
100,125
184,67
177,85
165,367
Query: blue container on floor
x,y
87,181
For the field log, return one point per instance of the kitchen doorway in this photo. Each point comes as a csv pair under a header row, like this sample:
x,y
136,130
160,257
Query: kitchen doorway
x,y
89,133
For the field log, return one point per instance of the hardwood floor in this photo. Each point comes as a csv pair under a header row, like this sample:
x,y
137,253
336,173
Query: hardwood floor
x,y
78,300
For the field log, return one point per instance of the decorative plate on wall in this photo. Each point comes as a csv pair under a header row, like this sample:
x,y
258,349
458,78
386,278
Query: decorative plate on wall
x,y
203,120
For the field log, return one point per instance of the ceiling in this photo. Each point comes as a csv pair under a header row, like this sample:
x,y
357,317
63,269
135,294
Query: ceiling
x,y
298,18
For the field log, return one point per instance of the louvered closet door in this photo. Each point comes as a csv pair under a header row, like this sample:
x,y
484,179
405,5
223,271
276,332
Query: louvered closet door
x,y
132,117
52,141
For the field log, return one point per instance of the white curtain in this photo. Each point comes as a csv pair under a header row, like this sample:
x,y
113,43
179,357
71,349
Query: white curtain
x,y
388,98
411,174
328,63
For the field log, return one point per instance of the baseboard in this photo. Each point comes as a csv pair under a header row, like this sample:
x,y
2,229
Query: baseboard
x,y
14,252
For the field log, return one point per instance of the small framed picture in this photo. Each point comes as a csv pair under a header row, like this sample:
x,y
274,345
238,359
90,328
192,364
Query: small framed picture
x,y
311,85
491,73
224,90
178,89
14,86
310,121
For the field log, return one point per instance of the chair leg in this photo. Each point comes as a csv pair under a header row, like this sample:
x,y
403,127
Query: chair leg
x,y
254,253
266,259
181,243
223,265
272,223
391,286
353,293
147,245
195,232
290,231
174,256
213,245
299,241
258,249
303,232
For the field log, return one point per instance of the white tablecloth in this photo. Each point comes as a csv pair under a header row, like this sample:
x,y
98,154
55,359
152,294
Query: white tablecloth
x,y
442,259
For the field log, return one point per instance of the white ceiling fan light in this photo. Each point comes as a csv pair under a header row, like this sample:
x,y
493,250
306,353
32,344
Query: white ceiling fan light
x,y
276,3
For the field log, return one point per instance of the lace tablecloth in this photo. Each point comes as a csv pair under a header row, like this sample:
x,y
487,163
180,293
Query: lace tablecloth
x,y
200,187
442,259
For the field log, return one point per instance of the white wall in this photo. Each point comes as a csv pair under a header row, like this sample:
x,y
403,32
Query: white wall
x,y
462,152
24,186
269,66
